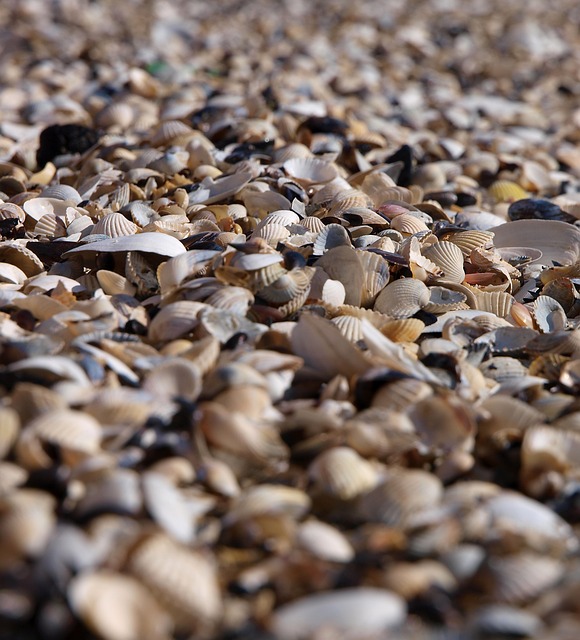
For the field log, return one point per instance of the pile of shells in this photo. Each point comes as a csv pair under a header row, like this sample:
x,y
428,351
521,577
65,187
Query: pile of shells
x,y
289,321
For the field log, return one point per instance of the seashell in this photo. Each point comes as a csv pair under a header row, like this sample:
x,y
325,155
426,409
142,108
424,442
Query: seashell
x,y
402,298
401,394
175,320
10,210
443,424
12,476
324,541
293,285
273,233
157,243
175,378
403,330
62,192
309,170
116,607
563,291
349,326
171,132
408,224
558,342
443,300
235,299
449,257
110,490
28,519
325,349
11,274
506,191
75,434
348,613
411,580
324,288
182,580
558,241
520,577
18,255
333,235
342,473
9,430
343,264
549,366
238,435
51,226
268,499
503,620
378,186
548,314
402,494
115,225
502,368
376,276
349,199
467,241
497,302
113,283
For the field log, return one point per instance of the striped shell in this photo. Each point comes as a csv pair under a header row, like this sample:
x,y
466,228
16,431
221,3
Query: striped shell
x,y
402,298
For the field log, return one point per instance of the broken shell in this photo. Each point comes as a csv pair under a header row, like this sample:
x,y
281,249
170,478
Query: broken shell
x,y
548,314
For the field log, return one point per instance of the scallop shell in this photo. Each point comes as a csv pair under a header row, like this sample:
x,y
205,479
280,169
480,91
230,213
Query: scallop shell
x,y
449,257
115,225
62,192
293,287
548,314
402,298
497,302
333,235
408,224
349,326
341,472
507,191
182,580
236,299
467,241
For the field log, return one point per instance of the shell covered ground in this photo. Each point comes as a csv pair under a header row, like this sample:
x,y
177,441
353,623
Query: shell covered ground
x,y
289,320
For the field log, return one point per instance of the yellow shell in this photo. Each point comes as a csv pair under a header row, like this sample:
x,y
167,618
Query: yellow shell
x,y
507,191
403,330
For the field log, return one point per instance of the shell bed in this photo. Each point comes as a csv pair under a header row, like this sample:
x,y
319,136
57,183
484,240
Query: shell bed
x,y
289,320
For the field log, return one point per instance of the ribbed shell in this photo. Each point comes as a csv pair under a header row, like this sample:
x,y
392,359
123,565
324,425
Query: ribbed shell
x,y
115,225
449,258
402,298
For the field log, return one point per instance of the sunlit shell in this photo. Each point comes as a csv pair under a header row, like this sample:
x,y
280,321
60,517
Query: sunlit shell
x,y
293,284
562,290
182,580
115,225
507,191
408,224
376,270
272,232
402,298
114,283
175,378
11,274
548,314
449,257
342,473
333,235
403,330
401,395
51,226
117,607
20,256
268,499
499,303
349,326
348,199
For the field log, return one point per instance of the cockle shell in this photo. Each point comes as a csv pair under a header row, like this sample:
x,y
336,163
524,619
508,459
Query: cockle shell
x,y
449,257
402,298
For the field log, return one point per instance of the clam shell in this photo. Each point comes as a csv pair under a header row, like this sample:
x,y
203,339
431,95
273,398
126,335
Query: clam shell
x,y
268,499
333,235
175,378
349,613
174,320
114,283
236,299
376,276
496,302
467,241
350,327
308,170
343,264
18,255
157,243
117,607
442,300
324,541
548,314
402,298
292,286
